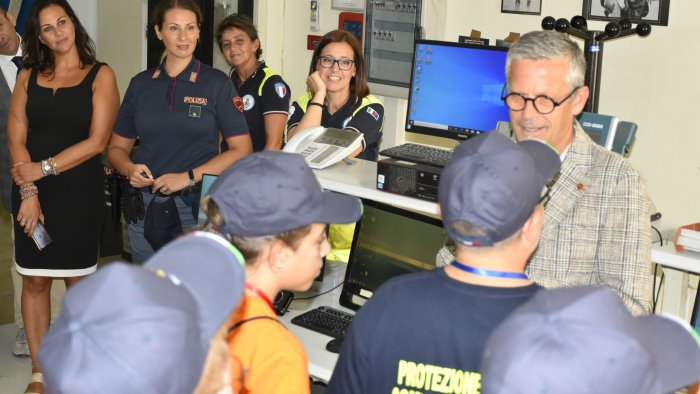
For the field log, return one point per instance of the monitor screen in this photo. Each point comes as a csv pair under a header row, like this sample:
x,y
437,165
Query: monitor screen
x,y
207,181
455,89
388,241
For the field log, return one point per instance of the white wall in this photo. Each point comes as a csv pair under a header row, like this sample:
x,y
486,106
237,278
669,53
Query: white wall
x,y
121,37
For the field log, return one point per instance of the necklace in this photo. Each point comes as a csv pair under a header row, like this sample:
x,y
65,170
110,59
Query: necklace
x,y
260,294
492,273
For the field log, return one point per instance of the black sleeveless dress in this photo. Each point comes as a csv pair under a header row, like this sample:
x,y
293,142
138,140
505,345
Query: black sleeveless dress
x,y
73,201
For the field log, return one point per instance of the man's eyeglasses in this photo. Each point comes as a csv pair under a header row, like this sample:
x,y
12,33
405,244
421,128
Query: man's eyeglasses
x,y
343,63
543,104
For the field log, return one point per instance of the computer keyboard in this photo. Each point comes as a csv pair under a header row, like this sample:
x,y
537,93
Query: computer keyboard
x,y
326,320
425,154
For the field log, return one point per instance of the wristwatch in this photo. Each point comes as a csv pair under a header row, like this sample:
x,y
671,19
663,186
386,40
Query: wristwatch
x,y
191,174
46,168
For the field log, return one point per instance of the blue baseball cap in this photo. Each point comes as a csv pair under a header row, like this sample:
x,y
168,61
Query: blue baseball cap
x,y
584,340
271,192
494,183
144,329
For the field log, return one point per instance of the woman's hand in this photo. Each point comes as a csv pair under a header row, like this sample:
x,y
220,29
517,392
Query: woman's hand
x,y
29,213
171,183
137,178
315,84
26,172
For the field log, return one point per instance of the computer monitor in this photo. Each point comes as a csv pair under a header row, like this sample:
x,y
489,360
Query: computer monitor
x,y
388,241
207,181
455,89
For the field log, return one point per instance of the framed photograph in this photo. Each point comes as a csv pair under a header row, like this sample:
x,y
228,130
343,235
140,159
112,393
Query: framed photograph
x,y
654,12
528,7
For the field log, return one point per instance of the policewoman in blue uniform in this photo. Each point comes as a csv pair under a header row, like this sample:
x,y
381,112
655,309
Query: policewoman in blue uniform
x,y
265,94
338,95
177,111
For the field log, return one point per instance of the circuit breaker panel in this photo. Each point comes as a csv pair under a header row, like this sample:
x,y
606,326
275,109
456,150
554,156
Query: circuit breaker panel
x,y
390,28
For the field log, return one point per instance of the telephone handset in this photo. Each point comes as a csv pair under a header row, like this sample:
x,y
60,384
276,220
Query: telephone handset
x,y
322,146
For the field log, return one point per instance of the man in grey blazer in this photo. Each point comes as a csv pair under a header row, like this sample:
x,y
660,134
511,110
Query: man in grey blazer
x,y
9,49
597,229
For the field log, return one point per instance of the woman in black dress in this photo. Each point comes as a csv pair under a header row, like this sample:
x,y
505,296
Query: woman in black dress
x,y
62,112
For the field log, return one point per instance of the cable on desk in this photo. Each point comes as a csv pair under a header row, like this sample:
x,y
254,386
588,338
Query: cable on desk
x,y
653,291
319,294
661,239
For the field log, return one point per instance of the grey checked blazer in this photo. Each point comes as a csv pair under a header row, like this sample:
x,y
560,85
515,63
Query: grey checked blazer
x,y
597,228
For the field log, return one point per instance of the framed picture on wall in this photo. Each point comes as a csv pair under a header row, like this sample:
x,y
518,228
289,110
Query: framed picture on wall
x,y
529,7
654,12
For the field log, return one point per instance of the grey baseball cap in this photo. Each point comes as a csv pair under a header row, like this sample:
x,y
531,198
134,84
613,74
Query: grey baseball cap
x,y
135,329
584,340
494,183
272,192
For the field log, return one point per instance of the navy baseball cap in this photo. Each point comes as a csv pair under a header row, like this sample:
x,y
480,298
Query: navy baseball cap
x,y
584,340
271,192
494,183
136,329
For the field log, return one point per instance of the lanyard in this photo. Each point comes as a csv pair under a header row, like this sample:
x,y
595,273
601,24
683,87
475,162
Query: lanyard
x,y
260,294
492,273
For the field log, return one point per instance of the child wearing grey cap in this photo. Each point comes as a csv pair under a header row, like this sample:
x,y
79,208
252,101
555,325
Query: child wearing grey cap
x,y
272,208
425,332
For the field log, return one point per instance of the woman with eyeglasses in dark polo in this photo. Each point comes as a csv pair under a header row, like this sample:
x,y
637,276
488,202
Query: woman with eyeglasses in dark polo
x,y
338,95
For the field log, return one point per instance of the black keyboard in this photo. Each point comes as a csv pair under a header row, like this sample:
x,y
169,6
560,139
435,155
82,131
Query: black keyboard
x,y
326,320
425,154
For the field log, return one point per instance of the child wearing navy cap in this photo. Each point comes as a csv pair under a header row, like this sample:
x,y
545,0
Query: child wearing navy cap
x,y
273,209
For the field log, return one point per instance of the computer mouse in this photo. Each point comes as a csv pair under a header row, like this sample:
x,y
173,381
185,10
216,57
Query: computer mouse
x,y
333,345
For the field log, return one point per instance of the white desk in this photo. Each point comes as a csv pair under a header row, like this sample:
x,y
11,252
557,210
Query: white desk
x,y
360,180
321,361
676,278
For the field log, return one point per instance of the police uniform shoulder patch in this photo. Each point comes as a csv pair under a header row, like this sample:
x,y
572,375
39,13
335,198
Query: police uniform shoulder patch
x,y
280,89
248,102
238,103
373,113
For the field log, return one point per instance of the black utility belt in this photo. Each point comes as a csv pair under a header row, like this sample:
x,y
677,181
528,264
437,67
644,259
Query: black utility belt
x,y
181,193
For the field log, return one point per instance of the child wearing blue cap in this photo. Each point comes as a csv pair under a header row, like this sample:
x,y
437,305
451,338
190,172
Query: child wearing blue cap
x,y
425,332
272,208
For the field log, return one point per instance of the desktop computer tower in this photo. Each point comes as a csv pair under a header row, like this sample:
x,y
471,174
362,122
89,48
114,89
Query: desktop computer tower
x,y
408,179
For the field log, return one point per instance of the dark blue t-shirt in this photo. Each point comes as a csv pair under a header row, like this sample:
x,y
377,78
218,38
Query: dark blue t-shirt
x,y
424,333
177,120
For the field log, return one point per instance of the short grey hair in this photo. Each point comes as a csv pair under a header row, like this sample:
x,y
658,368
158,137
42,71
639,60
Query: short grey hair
x,y
549,44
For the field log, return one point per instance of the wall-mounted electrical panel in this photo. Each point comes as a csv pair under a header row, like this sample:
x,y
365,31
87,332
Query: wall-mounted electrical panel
x,y
390,28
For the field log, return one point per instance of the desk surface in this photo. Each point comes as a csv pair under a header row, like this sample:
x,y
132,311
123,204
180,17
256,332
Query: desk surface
x,y
360,180
321,361
667,256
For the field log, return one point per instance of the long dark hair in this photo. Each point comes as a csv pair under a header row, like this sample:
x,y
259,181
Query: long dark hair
x,y
358,84
38,55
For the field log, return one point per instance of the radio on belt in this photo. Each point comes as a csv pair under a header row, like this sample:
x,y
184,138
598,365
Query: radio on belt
x,y
408,179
